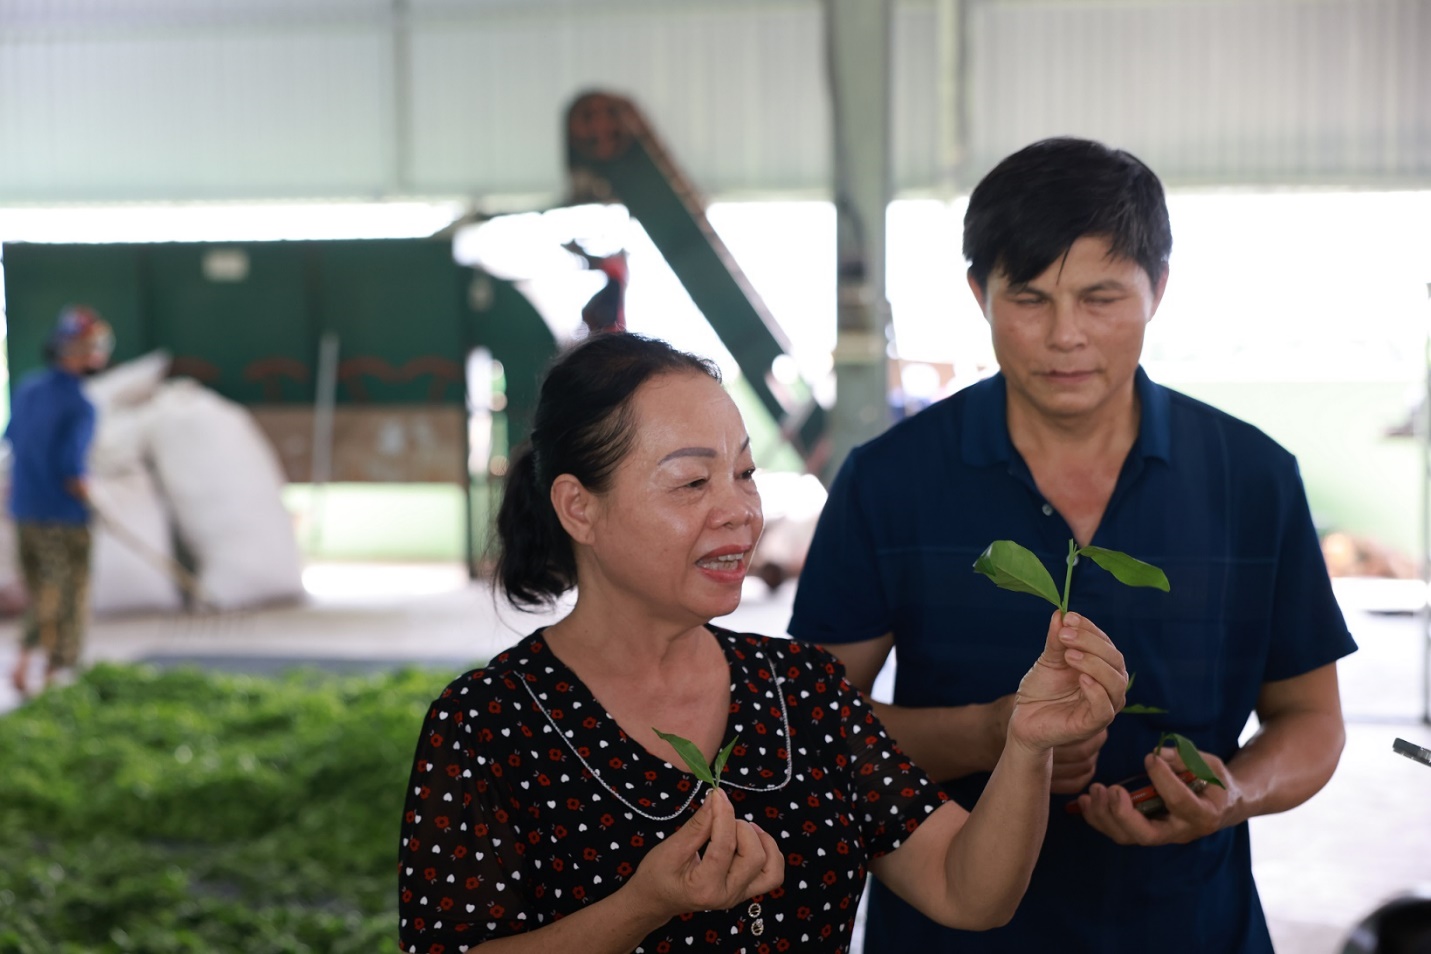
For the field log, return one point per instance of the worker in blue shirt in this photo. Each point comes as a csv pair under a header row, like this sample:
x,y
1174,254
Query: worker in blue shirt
x,y
1068,244
50,430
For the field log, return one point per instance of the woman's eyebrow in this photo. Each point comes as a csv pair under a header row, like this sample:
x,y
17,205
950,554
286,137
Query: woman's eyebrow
x,y
699,452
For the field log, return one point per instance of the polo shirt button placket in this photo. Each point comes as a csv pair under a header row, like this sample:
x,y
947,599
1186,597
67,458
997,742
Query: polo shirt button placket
x,y
1047,510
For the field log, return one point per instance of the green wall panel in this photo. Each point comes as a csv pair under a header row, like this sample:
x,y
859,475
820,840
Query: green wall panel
x,y
395,308
404,313
41,279
251,340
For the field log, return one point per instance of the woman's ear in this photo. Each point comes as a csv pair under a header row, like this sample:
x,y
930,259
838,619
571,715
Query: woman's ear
x,y
576,508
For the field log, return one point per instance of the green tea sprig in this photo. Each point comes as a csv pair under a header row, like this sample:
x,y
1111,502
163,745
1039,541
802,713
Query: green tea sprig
x,y
696,760
1013,567
1016,568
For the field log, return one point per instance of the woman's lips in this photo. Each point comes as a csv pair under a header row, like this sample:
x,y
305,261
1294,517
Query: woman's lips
x,y
727,564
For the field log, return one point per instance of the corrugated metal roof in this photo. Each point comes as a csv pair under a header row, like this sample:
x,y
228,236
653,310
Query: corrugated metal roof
x,y
222,99
1276,91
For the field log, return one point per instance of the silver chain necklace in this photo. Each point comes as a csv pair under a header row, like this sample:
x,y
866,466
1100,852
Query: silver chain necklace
x,y
784,723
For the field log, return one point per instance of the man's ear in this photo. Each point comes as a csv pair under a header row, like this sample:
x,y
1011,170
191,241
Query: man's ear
x,y
576,508
1158,289
978,292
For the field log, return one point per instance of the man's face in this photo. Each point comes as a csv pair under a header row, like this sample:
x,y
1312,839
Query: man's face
x,y
1068,342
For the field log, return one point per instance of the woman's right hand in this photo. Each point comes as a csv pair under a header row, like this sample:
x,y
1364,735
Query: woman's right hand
x,y
1075,688
712,862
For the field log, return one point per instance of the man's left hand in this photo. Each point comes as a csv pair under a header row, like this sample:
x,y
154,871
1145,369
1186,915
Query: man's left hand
x,y
1190,814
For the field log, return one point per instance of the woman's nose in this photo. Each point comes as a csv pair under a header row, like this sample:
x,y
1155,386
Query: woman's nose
x,y
738,508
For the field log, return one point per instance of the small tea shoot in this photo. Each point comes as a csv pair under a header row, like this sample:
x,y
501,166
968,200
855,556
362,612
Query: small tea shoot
x,y
696,761
1191,757
1016,568
1136,708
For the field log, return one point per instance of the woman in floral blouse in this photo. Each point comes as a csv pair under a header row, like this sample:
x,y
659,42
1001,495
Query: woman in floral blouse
x,y
544,813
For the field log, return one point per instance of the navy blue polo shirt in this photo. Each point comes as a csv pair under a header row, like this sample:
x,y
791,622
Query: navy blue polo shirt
x,y
51,426
1215,503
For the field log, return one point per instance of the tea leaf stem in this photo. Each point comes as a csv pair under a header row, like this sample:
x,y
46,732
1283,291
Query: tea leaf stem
x,y
1068,578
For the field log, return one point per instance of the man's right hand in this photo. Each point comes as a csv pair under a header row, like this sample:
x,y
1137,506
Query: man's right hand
x,y
1074,764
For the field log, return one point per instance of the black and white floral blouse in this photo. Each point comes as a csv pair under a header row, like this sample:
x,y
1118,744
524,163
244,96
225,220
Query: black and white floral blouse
x,y
528,802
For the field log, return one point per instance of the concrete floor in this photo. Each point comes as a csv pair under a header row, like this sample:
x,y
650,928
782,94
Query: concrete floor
x,y
1320,868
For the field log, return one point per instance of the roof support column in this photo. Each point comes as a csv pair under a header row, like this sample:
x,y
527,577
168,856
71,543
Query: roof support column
x,y
858,44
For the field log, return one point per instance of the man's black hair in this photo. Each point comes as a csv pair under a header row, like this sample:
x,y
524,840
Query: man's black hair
x,y
1030,209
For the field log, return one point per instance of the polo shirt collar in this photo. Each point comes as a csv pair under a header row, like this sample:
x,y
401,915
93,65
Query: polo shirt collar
x,y
985,432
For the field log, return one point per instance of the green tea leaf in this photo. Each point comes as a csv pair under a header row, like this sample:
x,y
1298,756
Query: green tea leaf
x,y
1128,571
1015,568
687,750
720,758
109,770
1138,709
1193,759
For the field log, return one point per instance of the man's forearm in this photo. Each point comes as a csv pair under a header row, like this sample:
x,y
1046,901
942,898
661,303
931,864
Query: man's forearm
x,y
1296,748
949,741
1288,760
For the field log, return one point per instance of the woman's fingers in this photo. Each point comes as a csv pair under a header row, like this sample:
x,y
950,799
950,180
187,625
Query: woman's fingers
x,y
720,848
739,860
1053,646
1111,681
698,829
1088,649
1080,634
749,858
767,870
713,861
772,873
693,835
1083,623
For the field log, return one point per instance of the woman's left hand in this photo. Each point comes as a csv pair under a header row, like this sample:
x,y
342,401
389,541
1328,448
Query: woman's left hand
x,y
1075,688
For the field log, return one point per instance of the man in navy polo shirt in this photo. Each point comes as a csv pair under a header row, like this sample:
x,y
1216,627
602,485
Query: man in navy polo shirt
x,y
51,426
1068,244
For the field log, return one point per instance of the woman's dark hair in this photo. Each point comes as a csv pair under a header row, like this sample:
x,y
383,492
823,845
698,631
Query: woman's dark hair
x,y
583,427
1030,209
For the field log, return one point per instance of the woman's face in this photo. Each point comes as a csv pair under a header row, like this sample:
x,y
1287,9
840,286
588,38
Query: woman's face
x,y
675,532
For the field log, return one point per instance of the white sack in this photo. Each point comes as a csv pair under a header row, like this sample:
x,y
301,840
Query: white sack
x,y
121,396
133,543
223,483
132,382
121,439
